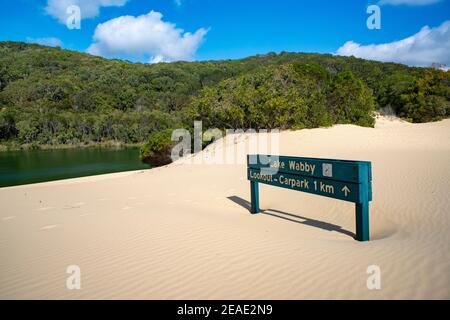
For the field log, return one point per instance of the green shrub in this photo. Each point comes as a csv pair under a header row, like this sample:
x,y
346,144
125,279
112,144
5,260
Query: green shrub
x,y
157,149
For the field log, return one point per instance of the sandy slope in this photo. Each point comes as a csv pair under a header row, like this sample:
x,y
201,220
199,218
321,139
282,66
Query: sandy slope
x,y
183,231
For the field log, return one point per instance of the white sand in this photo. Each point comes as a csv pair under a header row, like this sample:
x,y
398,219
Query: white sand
x,y
174,233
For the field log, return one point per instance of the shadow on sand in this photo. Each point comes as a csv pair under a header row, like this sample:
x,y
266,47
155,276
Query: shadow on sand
x,y
293,218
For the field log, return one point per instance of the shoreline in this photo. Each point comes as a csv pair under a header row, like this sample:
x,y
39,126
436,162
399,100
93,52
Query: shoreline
x,y
89,178
106,144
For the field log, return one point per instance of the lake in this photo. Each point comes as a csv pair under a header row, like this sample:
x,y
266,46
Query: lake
x,y
31,166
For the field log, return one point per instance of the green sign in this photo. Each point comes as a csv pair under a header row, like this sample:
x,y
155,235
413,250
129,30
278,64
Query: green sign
x,y
339,179
334,189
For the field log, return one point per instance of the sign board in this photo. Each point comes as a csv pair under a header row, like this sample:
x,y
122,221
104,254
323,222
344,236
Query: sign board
x,y
339,179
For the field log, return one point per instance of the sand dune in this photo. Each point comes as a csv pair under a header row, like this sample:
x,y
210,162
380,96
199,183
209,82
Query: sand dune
x,y
184,231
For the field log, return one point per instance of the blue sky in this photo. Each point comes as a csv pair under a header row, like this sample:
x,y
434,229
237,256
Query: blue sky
x,y
234,29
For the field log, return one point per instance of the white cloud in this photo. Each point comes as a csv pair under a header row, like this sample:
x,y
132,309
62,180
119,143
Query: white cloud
x,y
427,46
145,36
408,2
52,42
88,8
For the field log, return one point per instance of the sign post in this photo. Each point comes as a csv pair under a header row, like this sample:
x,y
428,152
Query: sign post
x,y
254,188
339,179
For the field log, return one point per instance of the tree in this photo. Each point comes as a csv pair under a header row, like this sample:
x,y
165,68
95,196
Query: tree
x,y
350,100
8,127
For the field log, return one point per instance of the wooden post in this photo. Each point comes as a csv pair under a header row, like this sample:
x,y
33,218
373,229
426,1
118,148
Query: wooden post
x,y
362,221
254,191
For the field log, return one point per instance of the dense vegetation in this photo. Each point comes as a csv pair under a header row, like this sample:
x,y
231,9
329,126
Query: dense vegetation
x,y
50,96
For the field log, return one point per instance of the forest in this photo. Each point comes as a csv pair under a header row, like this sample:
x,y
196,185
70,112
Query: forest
x,y
53,97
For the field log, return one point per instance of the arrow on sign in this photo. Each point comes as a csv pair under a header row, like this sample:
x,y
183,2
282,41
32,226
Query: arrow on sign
x,y
346,190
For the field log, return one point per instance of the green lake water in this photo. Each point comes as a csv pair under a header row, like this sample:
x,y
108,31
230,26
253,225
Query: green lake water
x,y
31,166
